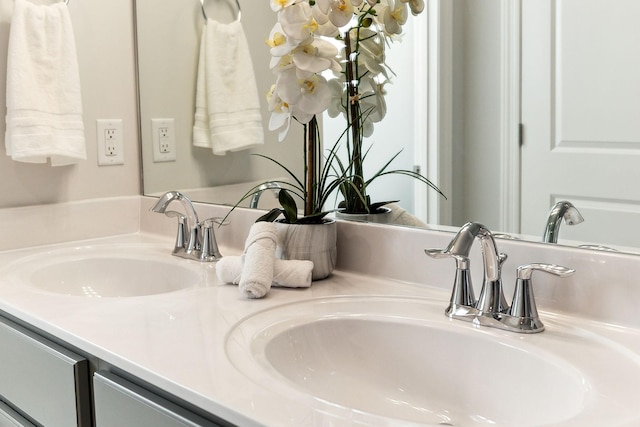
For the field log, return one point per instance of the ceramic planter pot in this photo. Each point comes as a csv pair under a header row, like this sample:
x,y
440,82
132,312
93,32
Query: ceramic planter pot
x,y
314,242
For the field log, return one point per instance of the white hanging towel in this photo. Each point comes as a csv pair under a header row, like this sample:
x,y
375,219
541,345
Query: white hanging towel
x,y
227,116
44,105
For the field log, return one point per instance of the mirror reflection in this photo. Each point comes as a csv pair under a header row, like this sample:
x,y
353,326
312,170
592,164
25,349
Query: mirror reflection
x,y
168,37
569,92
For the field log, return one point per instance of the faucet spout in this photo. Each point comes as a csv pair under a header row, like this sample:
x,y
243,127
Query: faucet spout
x,y
190,213
561,210
492,298
255,198
461,245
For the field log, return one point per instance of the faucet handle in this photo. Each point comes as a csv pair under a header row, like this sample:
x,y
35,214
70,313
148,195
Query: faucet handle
x,y
209,248
181,242
461,260
215,220
462,294
523,305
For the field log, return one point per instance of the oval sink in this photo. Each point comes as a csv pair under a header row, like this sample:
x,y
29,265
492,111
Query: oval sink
x,y
402,359
424,370
107,272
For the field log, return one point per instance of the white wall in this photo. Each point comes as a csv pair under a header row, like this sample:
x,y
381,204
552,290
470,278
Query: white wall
x,y
104,40
477,114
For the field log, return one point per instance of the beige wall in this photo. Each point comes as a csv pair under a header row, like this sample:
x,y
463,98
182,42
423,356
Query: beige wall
x,y
104,40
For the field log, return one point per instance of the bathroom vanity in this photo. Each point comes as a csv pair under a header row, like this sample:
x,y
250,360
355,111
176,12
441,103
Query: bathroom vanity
x,y
368,346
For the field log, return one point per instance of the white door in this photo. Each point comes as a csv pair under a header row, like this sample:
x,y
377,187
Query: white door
x,y
581,117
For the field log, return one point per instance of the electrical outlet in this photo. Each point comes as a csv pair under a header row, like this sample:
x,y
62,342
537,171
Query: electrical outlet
x,y
165,143
163,136
110,143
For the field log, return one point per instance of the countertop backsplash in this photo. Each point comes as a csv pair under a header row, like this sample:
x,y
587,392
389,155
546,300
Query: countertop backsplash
x,y
603,288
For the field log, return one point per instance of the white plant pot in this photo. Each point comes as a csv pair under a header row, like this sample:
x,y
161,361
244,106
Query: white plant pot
x,y
314,242
381,216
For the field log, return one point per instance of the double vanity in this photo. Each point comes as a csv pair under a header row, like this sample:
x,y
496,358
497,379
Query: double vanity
x,y
113,328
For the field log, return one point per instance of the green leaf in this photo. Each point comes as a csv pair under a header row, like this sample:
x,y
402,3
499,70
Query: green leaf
x,y
316,218
286,169
290,209
270,216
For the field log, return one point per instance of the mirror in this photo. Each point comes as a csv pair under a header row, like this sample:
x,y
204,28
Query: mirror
x,y
168,33
168,40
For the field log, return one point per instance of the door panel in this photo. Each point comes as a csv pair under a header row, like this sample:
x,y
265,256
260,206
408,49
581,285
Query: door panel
x,y
581,116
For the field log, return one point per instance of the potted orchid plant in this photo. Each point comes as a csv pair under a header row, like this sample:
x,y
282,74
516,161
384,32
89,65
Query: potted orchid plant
x,y
329,55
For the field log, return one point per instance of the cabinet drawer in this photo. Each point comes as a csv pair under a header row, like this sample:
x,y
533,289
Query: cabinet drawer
x,y
10,418
119,402
45,381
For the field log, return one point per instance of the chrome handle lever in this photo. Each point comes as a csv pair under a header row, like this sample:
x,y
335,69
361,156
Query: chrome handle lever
x,y
181,242
462,294
209,245
523,306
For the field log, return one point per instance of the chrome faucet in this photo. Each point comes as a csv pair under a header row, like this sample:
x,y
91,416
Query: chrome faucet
x,y
195,239
491,308
255,198
561,210
491,294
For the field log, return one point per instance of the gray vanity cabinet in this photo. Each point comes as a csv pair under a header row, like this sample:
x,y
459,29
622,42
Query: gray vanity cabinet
x,y
42,380
10,418
119,402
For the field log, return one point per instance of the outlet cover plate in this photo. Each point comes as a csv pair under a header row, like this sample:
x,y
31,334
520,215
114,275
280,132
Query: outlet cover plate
x,y
110,142
163,133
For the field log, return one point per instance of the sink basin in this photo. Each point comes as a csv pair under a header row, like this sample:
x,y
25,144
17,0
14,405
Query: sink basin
x,y
402,360
122,271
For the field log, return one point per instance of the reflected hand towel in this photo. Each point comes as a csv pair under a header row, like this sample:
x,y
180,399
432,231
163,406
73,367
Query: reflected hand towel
x,y
44,105
227,116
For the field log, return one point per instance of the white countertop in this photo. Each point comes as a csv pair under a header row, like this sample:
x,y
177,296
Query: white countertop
x,y
176,341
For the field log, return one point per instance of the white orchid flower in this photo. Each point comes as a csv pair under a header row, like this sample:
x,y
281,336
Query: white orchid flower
x,y
301,116
279,42
372,100
281,63
301,50
417,6
324,6
371,53
280,118
309,94
394,16
316,96
297,22
338,94
326,28
278,5
316,56
340,12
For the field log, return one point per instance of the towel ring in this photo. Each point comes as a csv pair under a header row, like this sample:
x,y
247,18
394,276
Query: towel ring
x,y
204,13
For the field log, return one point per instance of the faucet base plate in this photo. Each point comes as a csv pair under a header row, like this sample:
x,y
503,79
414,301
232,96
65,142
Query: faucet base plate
x,y
504,321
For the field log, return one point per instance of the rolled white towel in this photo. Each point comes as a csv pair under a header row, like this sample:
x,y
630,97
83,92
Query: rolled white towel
x,y
286,273
259,256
